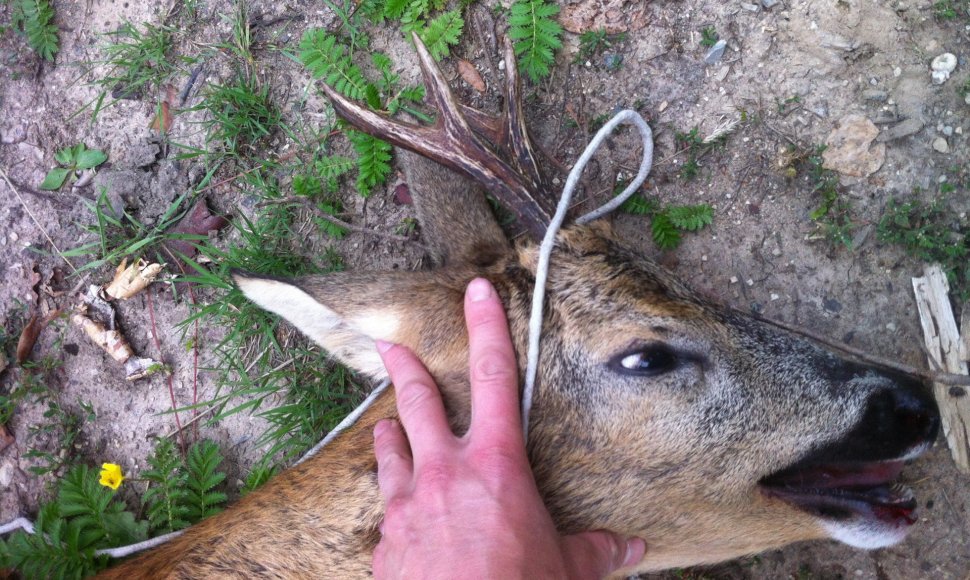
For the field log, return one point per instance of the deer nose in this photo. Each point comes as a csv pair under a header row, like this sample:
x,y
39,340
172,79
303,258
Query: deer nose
x,y
899,419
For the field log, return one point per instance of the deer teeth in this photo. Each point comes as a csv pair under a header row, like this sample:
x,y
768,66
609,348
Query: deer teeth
x,y
902,492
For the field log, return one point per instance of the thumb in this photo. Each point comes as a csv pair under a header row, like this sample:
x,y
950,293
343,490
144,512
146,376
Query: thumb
x,y
599,554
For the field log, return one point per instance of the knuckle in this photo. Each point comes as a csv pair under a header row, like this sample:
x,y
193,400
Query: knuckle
x,y
499,460
494,365
415,395
437,474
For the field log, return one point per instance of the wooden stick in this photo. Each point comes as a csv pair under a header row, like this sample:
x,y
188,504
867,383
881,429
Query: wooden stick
x,y
945,378
944,345
306,204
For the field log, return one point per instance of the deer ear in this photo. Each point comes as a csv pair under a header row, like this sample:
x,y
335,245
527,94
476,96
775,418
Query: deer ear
x,y
346,312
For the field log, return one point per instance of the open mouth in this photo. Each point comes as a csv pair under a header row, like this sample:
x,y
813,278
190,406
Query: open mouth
x,y
846,490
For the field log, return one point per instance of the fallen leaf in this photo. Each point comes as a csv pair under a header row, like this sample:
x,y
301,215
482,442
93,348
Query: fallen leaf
x,y
470,75
199,222
6,439
30,333
402,195
130,280
163,119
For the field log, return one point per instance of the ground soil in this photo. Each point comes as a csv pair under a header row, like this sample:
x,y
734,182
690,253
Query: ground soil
x,y
787,76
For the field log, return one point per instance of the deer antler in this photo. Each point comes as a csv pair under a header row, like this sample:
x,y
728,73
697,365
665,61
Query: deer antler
x,y
453,142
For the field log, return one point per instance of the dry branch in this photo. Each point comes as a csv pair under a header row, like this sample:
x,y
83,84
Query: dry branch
x,y
943,344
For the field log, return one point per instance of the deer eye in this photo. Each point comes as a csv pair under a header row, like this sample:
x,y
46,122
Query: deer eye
x,y
648,361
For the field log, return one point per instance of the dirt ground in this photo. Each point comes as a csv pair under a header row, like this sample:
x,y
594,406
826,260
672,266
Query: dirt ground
x,y
789,76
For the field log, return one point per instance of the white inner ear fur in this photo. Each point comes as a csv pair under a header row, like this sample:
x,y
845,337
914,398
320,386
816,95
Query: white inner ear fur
x,y
351,339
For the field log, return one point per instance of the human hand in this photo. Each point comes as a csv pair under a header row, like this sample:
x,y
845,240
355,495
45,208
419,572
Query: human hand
x,y
468,507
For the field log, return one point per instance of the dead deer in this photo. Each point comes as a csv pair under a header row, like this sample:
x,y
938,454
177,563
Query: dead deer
x,y
657,414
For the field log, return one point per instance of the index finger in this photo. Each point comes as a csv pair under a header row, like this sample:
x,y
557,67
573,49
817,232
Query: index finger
x,y
493,368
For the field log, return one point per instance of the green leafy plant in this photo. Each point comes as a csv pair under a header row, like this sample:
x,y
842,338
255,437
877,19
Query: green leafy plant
x,y
695,147
833,215
241,112
202,464
536,36
373,159
327,58
593,42
330,60
83,518
667,223
166,498
72,159
35,20
709,37
442,33
933,233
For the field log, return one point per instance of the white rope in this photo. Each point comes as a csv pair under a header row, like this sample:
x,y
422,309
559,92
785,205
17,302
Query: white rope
x,y
122,551
347,422
548,241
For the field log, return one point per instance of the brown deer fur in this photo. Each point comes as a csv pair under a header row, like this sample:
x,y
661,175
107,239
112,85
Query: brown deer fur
x,y
679,458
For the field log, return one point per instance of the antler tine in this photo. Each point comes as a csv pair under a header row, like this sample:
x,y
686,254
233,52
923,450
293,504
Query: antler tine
x,y
451,142
517,137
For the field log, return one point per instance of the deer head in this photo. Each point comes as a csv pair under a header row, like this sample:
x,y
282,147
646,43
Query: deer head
x,y
657,413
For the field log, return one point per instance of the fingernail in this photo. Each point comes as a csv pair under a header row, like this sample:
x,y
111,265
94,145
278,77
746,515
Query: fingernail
x,y
479,289
635,549
382,346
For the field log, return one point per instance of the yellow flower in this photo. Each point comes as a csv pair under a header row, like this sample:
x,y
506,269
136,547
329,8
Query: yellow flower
x,y
111,475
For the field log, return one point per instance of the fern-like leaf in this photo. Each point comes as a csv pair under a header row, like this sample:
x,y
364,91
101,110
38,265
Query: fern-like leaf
x,y
415,12
57,549
331,168
100,519
203,477
166,496
691,217
373,160
325,57
536,36
395,9
35,18
665,233
638,205
443,32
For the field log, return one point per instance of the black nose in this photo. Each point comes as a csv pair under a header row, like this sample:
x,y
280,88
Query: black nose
x,y
898,419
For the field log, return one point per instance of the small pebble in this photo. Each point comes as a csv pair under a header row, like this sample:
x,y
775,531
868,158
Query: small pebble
x,y
774,296
776,252
734,279
891,327
750,7
897,72
716,52
940,145
501,64
875,95
749,282
942,66
769,3
948,130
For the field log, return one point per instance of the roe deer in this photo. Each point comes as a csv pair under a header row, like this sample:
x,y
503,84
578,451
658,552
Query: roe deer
x,y
656,414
